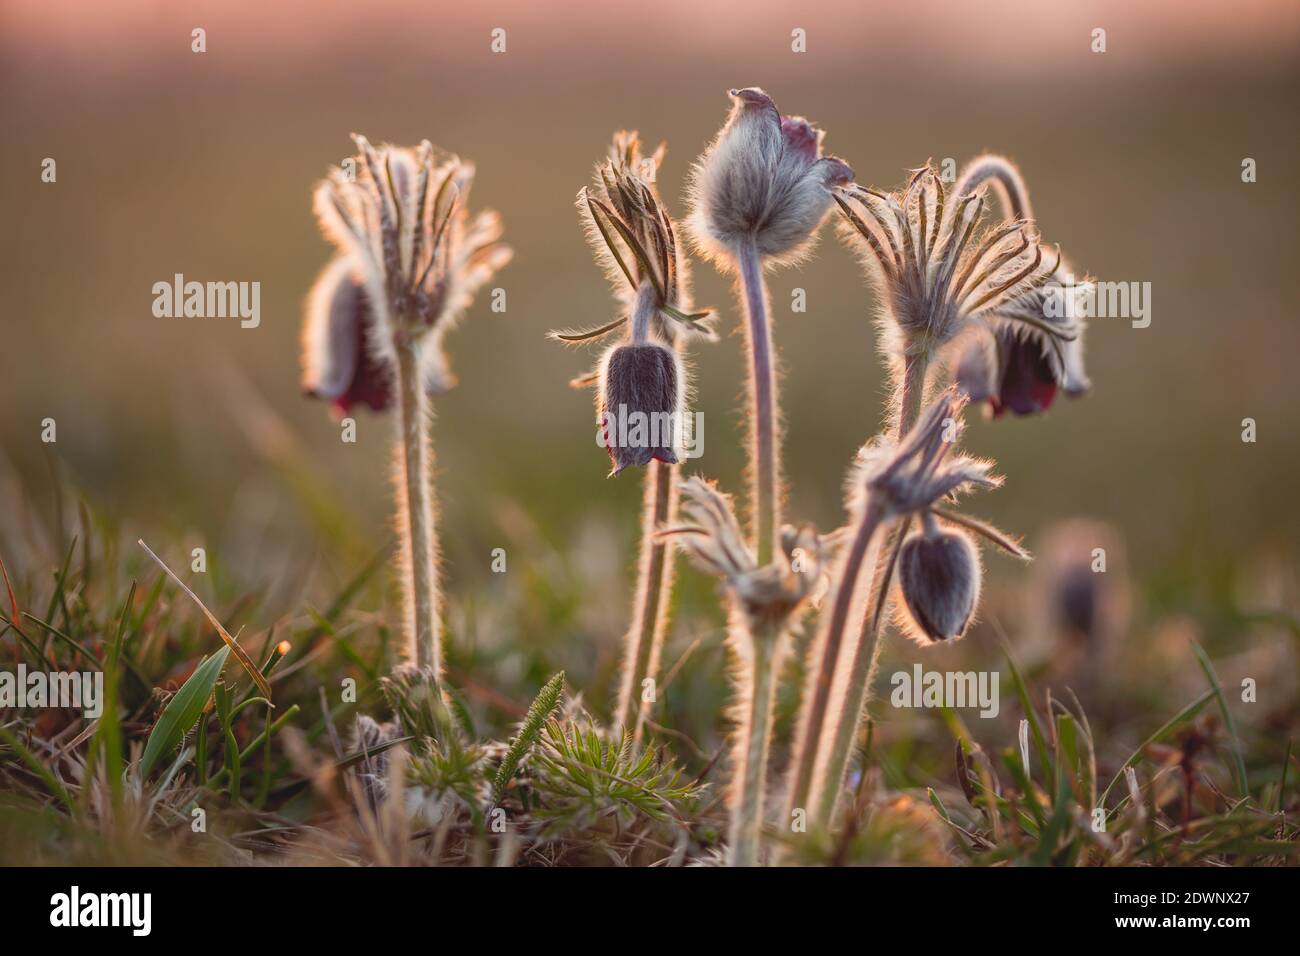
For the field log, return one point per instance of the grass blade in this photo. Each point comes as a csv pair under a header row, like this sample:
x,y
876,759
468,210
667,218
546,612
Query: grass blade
x,y
183,710
231,643
1191,710
1239,764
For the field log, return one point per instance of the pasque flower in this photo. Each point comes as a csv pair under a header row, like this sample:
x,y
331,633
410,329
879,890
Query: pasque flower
x,y
1036,346
639,404
939,577
951,288
759,193
1021,366
410,260
641,383
635,241
339,363
763,180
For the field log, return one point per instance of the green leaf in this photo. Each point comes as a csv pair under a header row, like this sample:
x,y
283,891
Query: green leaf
x,y
183,710
538,713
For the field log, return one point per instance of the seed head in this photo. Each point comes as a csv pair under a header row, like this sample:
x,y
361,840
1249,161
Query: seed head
x,y
939,576
764,179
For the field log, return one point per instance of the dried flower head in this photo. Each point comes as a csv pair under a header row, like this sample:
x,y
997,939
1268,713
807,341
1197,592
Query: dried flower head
x,y
912,476
764,181
411,261
716,544
939,577
937,278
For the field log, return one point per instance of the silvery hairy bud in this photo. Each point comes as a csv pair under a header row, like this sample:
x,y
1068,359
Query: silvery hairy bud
x,y
939,575
763,180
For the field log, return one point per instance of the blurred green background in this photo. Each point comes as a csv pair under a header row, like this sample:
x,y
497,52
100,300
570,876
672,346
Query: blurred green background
x,y
193,431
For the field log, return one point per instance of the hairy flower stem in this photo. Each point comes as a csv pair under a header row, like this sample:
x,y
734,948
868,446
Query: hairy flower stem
x,y
837,743
765,502
824,656
415,513
912,400
752,744
644,642
765,530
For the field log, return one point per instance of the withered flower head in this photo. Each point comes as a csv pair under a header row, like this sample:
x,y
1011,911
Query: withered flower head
x,y
764,181
411,259
716,544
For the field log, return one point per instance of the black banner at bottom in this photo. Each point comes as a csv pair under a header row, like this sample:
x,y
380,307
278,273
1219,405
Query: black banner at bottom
x,y
339,905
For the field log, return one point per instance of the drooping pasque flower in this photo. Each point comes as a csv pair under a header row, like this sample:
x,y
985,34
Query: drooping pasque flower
x,y
1028,358
940,276
919,477
410,261
939,577
1036,347
641,382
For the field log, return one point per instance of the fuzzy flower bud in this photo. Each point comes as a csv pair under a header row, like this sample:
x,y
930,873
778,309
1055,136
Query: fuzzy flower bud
x,y
763,180
939,576
639,404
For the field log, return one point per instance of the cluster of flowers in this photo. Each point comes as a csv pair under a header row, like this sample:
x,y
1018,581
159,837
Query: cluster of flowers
x,y
963,319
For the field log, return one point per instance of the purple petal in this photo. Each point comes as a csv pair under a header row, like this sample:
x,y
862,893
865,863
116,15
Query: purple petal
x,y
1028,380
800,138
